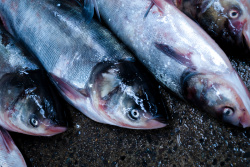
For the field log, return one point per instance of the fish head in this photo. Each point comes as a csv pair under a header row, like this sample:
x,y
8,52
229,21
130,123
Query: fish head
x,y
225,97
30,106
126,97
231,20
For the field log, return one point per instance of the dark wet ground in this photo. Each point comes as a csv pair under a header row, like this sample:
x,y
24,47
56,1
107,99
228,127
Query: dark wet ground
x,y
192,139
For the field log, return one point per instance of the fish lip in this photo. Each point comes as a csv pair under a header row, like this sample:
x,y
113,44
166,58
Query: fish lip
x,y
161,119
246,35
54,130
155,124
244,123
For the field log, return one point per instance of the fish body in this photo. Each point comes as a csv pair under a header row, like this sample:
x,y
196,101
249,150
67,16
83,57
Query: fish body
x,y
180,55
94,71
10,156
28,102
227,21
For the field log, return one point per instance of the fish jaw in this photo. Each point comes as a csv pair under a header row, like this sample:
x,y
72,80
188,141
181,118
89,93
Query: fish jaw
x,y
51,131
154,124
246,33
245,120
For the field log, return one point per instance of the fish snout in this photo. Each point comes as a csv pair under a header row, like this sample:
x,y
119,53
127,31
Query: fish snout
x,y
246,33
154,124
54,130
245,120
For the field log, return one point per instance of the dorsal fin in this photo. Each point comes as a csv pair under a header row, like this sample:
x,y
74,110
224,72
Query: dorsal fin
x,y
159,5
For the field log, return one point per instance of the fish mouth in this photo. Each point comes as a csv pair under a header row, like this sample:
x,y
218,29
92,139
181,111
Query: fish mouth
x,y
155,124
54,130
244,120
246,35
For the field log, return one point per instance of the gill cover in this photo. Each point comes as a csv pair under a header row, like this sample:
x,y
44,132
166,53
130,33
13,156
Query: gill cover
x,y
126,95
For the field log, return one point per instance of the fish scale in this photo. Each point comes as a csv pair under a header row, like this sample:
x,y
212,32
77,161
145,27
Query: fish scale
x,y
82,60
180,55
25,88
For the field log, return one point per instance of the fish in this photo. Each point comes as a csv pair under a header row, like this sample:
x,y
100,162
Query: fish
x,y
28,103
10,156
227,21
181,56
90,67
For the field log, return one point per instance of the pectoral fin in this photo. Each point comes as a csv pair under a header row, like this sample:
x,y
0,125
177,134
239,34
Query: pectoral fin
x,y
7,140
68,90
183,58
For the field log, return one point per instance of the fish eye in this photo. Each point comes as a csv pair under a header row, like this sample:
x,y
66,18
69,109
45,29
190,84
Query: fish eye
x,y
134,114
233,13
34,122
228,111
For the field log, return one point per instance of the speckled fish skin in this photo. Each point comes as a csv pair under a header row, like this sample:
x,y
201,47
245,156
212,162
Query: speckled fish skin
x,y
226,21
87,63
180,55
10,156
28,103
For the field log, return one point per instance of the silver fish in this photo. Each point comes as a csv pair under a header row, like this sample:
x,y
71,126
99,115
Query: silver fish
x,y
10,156
28,104
94,71
180,55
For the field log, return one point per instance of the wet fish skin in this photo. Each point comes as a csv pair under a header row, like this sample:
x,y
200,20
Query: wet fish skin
x,y
86,63
10,156
227,21
28,102
180,55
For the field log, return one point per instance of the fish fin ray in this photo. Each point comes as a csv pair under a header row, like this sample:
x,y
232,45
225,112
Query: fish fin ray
x,y
159,5
7,140
97,10
171,52
205,5
68,90
89,7
84,92
149,8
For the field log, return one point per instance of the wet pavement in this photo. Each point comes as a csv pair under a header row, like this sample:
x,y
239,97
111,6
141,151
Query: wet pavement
x,y
193,138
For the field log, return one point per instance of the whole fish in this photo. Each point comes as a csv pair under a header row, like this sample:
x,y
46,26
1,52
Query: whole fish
x,y
180,55
10,156
226,21
94,71
28,104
